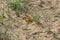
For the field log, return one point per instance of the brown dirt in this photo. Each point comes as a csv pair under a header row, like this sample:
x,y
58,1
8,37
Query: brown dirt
x,y
49,10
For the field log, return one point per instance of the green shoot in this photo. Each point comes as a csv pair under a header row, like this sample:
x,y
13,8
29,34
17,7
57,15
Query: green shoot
x,y
1,19
18,7
55,35
36,18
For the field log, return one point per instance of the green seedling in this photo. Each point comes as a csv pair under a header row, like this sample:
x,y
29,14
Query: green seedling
x,y
18,6
2,16
1,19
36,18
37,21
55,35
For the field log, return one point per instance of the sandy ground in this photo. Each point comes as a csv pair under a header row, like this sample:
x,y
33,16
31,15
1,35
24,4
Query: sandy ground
x,y
19,29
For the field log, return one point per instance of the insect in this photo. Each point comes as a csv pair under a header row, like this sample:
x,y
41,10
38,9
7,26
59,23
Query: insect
x,y
29,19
